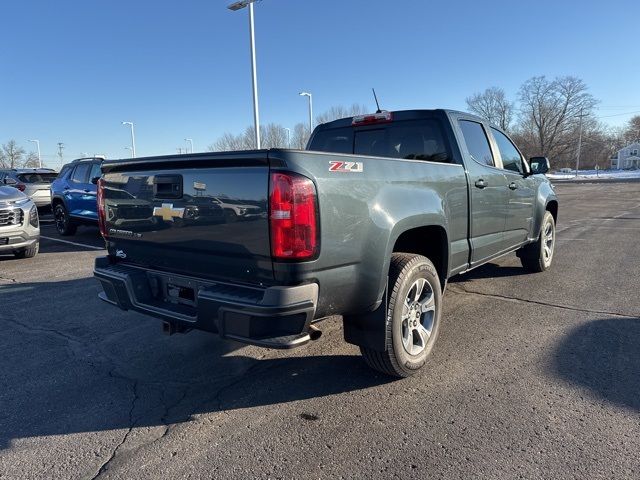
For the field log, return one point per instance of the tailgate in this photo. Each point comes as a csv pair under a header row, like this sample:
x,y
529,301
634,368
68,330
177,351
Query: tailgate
x,y
198,216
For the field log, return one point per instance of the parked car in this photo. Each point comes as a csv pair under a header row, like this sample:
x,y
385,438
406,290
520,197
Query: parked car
x,y
34,182
73,195
369,224
19,224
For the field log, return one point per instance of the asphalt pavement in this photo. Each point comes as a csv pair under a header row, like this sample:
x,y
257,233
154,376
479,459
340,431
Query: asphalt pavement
x,y
533,376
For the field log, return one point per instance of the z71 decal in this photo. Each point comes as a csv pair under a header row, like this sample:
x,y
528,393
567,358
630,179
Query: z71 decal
x,y
354,167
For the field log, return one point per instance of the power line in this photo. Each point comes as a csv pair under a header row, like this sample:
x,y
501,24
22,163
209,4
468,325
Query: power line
x,y
618,114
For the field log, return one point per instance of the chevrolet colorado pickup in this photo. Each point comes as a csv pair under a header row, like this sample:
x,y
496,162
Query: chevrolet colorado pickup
x,y
368,223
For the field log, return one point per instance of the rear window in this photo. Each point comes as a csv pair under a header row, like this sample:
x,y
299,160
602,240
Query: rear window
x,y
37,177
416,140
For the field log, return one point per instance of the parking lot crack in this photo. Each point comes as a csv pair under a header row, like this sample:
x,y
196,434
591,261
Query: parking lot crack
x,y
461,289
132,423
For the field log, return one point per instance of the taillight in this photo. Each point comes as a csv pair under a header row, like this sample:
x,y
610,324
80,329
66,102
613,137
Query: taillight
x,y
20,186
101,213
293,217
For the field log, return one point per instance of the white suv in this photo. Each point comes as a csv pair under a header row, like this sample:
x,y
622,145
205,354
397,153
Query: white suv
x,y
19,224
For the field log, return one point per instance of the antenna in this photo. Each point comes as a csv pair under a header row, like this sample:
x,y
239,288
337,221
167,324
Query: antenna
x,y
376,99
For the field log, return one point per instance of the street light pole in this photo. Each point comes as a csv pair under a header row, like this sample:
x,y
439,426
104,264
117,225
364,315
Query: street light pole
x,y
288,137
310,97
37,142
190,140
579,142
254,77
133,139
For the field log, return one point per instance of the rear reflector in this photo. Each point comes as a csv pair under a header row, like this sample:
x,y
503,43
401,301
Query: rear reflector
x,y
293,217
371,118
101,213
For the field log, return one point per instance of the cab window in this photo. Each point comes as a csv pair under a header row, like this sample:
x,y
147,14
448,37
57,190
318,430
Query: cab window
x,y
477,142
511,158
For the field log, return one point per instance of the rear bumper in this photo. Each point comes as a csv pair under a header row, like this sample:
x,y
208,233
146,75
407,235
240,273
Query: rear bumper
x,y
274,317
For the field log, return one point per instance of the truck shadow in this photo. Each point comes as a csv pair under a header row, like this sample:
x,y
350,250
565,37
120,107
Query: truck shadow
x,y
603,356
72,364
489,270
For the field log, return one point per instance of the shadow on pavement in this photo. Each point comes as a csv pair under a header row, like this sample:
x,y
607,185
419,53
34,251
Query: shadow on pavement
x,y
604,357
489,270
74,364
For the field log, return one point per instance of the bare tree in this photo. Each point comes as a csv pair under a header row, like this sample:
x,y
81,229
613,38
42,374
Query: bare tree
x,y
340,111
300,136
550,114
31,161
632,130
493,105
12,154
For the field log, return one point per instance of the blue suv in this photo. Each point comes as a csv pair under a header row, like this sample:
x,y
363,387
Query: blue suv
x,y
73,195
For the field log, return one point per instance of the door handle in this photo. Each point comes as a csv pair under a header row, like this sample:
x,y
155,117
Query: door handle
x,y
481,183
513,186
86,190
66,188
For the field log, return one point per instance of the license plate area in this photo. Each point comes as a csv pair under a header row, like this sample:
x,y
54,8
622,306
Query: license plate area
x,y
174,290
180,294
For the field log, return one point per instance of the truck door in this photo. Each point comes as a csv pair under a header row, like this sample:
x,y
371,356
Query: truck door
x,y
488,193
519,214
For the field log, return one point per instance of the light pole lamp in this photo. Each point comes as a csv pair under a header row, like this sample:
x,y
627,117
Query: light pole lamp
x,y
190,140
37,142
133,139
254,78
310,97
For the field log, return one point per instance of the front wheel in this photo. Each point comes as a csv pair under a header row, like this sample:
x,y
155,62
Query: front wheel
x,y
537,256
28,252
64,224
413,316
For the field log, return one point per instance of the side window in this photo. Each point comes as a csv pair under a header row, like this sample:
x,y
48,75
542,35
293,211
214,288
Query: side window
x,y
81,173
477,142
511,159
95,171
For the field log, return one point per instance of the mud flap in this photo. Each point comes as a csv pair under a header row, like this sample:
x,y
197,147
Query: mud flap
x,y
369,329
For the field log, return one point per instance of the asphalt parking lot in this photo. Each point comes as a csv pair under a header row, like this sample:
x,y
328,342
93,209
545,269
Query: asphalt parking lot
x,y
533,376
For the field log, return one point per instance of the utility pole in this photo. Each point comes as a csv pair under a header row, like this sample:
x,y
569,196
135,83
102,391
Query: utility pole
x,y
60,148
579,141
179,150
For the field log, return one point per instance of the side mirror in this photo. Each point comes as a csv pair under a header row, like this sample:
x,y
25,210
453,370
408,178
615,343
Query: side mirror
x,y
94,180
539,165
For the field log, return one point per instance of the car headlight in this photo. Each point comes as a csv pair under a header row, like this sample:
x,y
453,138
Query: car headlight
x,y
33,217
22,201
242,211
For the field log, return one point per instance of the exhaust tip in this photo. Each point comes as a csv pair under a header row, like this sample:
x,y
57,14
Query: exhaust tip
x,y
314,332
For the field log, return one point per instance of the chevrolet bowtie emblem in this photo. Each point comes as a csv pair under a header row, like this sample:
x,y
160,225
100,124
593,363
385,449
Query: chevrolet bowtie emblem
x,y
167,212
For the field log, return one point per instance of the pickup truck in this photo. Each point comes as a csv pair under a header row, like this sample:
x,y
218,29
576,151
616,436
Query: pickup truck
x,y
368,223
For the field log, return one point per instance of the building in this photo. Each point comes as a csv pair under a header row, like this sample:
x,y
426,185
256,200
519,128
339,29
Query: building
x,y
627,158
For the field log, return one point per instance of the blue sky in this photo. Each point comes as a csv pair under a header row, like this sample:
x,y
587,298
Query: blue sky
x,y
72,70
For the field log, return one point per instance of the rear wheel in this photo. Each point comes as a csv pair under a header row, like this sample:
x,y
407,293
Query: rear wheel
x,y
64,224
537,256
28,252
414,316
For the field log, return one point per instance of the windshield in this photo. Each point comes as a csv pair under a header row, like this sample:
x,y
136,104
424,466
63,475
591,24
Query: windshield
x,y
37,177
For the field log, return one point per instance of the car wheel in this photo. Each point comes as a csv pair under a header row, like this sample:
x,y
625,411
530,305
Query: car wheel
x,y
537,256
413,315
64,224
28,252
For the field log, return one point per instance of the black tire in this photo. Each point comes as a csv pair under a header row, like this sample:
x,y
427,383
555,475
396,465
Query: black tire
x,y
537,256
64,224
405,271
230,216
28,252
